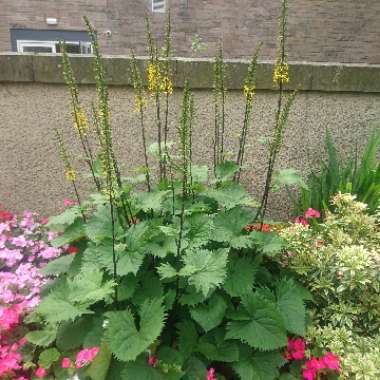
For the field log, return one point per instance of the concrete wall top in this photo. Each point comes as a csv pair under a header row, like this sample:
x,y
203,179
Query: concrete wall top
x,y
305,76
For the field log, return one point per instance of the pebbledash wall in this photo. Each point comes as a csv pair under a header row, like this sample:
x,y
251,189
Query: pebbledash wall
x,y
319,30
33,101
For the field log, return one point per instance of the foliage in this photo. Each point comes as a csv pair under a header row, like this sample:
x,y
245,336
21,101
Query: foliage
x,y
358,177
168,283
24,248
339,261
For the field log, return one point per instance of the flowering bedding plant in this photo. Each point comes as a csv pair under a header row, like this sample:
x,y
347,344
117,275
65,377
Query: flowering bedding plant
x,y
24,249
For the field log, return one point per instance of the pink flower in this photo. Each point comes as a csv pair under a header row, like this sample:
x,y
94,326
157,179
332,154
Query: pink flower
x,y
308,374
152,361
314,364
211,374
301,220
311,213
40,372
22,341
331,361
66,363
296,349
86,356
9,317
69,202
44,220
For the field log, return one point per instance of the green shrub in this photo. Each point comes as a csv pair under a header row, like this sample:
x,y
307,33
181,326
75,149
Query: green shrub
x,y
339,262
359,177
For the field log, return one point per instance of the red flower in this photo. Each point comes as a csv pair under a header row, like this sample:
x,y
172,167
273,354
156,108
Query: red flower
x,y
257,227
152,361
296,349
72,249
331,361
5,216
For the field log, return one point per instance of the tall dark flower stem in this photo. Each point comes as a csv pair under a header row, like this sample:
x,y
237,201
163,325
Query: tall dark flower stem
x,y
154,82
140,103
280,77
219,91
110,165
79,115
167,87
70,172
249,92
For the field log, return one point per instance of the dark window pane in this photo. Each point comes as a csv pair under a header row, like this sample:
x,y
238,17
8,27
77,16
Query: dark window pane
x,y
70,48
37,49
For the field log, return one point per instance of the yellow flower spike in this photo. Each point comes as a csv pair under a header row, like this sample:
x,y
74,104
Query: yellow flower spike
x,y
71,175
140,103
166,85
154,77
249,91
281,73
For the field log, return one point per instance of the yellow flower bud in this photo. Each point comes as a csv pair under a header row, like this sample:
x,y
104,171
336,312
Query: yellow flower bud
x,y
281,73
70,175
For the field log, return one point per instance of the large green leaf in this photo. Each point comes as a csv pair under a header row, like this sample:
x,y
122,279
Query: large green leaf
x,y
259,366
48,357
271,244
98,369
72,233
66,218
291,305
210,314
187,337
213,347
230,195
288,177
226,170
57,266
204,269
262,328
43,337
151,200
198,230
240,276
99,226
228,227
125,339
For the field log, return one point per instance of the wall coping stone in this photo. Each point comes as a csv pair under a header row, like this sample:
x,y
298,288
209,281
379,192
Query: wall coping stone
x,y
306,76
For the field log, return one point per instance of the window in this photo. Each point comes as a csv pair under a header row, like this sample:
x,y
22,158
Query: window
x,y
48,41
158,6
25,46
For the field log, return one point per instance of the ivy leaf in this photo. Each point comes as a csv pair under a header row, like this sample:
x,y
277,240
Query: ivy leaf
x,y
211,314
42,338
57,266
205,269
264,329
288,177
240,277
48,357
259,366
151,200
291,306
125,340
226,170
72,233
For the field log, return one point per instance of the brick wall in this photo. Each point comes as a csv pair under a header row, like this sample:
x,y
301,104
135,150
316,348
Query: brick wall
x,y
319,30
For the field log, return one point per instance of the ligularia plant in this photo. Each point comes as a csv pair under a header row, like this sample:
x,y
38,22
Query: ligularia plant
x,y
171,282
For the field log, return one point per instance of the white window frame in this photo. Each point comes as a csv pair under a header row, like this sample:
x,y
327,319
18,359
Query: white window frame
x,y
51,44
21,44
158,10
